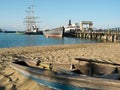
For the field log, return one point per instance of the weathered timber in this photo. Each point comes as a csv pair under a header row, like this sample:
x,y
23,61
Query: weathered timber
x,y
97,61
113,37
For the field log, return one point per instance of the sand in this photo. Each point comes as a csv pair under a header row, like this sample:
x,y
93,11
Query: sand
x,y
10,79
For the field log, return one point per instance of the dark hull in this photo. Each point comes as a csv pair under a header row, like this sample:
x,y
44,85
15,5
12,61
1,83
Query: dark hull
x,y
34,33
67,79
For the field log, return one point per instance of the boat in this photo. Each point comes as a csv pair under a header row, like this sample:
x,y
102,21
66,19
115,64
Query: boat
x,y
57,32
71,28
91,74
31,23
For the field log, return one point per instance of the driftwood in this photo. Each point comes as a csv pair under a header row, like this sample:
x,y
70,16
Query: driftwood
x,y
97,61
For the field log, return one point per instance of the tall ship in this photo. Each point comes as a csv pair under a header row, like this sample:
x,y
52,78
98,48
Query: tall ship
x,y
56,32
30,22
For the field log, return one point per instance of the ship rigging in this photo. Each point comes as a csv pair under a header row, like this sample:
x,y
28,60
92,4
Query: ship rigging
x,y
30,21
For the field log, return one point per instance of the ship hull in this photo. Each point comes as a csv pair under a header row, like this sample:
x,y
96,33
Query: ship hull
x,y
58,32
34,33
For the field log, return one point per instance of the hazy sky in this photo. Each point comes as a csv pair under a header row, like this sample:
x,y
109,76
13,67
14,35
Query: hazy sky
x,y
55,13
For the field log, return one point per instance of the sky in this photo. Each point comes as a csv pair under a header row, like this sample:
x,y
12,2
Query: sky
x,y
55,13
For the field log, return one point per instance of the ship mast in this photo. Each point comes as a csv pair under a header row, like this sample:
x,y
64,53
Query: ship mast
x,y
30,20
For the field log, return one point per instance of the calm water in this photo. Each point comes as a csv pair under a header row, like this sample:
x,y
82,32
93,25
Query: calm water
x,y
17,40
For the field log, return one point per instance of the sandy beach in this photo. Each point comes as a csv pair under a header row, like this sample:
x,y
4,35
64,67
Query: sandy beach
x,y
11,79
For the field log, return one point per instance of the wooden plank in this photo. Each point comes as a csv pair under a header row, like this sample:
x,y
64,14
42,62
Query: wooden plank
x,y
96,61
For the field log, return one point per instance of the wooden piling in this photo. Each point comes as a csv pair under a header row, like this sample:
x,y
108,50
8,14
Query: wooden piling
x,y
107,36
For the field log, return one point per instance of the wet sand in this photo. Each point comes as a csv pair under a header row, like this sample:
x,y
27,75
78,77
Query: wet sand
x,y
11,79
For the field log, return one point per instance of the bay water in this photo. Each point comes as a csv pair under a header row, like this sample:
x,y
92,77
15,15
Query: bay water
x,y
8,40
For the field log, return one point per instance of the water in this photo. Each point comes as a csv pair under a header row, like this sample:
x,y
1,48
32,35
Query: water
x,y
17,40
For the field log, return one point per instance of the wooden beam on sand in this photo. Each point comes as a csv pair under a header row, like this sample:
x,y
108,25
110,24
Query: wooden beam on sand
x,y
97,61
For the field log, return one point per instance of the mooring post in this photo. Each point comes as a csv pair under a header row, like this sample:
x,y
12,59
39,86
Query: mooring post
x,y
113,38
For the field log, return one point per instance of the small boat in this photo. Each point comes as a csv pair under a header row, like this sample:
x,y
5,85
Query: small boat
x,y
57,32
92,74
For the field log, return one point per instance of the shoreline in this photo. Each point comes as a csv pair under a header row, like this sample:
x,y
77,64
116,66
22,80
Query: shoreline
x,y
53,53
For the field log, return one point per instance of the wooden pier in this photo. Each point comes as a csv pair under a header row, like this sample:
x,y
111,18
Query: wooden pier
x,y
105,35
113,37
